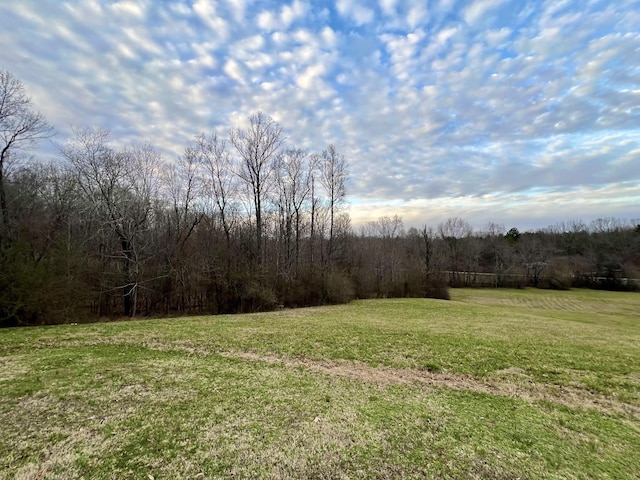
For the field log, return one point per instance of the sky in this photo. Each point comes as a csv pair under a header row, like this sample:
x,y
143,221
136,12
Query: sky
x,y
525,113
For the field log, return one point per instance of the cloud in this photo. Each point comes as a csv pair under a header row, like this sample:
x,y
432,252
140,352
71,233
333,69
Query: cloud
x,y
478,9
206,11
270,21
293,12
125,10
234,70
479,108
528,211
203,55
238,9
310,78
388,7
329,37
355,11
416,15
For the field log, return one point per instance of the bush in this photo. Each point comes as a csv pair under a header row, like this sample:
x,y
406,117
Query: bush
x,y
611,284
305,291
257,297
436,287
338,287
433,286
36,292
554,283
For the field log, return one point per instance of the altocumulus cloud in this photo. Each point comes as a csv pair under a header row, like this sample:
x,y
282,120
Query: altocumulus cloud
x,y
525,113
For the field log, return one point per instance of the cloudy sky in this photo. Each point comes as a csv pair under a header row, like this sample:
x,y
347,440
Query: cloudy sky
x,y
520,112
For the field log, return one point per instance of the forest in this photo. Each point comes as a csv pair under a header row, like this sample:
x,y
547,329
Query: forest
x,y
241,221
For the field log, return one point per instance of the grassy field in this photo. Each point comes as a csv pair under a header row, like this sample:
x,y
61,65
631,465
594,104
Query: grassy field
x,y
492,384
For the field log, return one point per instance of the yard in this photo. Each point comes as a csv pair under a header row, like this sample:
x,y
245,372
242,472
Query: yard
x,y
492,384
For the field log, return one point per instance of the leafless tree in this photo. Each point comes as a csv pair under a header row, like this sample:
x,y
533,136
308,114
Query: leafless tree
x,y
315,224
388,256
20,128
221,189
452,232
428,256
221,181
258,146
295,170
497,250
121,185
333,175
535,251
181,211
183,186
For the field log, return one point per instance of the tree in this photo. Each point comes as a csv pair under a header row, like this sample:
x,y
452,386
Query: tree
x,y
387,258
425,264
428,257
513,235
497,249
183,187
221,188
120,186
39,281
333,174
295,170
258,147
20,128
180,210
452,232
535,249
220,181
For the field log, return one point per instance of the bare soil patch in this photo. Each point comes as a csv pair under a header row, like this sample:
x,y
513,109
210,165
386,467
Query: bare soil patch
x,y
512,382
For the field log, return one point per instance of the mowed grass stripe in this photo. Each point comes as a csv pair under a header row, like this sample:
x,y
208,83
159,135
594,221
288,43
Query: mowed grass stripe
x,y
472,388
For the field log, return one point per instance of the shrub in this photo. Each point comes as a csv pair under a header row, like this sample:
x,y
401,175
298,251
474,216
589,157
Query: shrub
x,y
257,297
555,283
436,287
338,287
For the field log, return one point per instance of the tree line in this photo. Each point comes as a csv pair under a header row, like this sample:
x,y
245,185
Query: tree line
x,y
240,221
604,254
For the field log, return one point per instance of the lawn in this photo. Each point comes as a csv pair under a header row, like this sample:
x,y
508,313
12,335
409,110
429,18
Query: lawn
x,y
492,384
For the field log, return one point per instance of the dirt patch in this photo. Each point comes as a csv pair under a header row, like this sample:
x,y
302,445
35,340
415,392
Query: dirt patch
x,y
13,367
512,371
63,455
512,382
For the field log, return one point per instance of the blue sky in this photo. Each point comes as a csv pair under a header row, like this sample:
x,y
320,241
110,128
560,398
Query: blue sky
x,y
524,113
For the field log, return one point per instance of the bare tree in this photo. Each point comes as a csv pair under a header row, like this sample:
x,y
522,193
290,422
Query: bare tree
x,y
221,181
183,188
333,175
452,232
428,256
295,172
221,188
121,186
20,128
388,262
180,211
258,147
316,224
497,251
535,251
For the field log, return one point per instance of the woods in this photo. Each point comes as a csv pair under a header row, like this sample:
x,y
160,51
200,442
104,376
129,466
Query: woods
x,y
241,221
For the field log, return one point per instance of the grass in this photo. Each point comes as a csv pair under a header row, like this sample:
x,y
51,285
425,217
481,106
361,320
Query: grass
x,y
493,384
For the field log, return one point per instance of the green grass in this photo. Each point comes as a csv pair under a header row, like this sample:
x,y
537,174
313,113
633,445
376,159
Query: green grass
x,y
493,384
